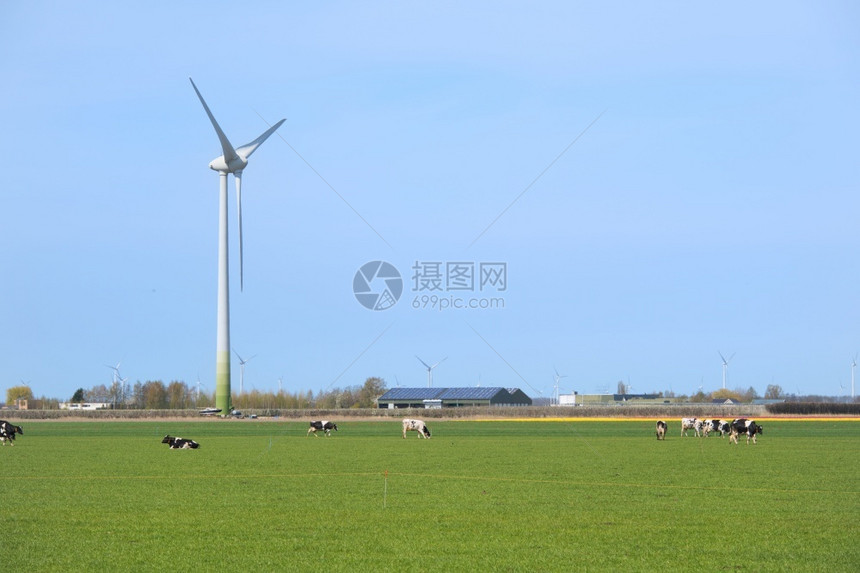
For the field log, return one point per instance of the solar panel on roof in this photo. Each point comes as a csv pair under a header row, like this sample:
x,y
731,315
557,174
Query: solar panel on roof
x,y
411,394
477,393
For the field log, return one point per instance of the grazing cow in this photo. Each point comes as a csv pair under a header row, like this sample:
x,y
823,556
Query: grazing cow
x,y
744,426
8,431
691,424
180,443
661,430
323,425
720,426
416,426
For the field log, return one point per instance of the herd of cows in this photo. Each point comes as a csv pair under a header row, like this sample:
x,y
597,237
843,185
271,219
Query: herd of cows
x,y
703,428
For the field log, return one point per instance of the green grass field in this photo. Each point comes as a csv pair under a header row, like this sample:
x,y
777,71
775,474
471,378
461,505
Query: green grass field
x,y
479,496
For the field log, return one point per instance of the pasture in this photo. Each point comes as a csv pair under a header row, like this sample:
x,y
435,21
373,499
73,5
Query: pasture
x,y
480,495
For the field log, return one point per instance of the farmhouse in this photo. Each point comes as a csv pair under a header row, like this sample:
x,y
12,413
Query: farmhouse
x,y
452,397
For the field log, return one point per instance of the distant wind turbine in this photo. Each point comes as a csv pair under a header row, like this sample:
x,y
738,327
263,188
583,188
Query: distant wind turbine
x,y
558,377
231,161
115,369
242,363
853,366
430,370
725,365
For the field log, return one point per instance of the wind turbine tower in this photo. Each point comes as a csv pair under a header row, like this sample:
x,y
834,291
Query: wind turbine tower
x,y
853,366
725,366
242,363
231,161
430,370
558,377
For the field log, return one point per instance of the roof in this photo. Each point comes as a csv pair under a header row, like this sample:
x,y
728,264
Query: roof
x,y
469,393
411,394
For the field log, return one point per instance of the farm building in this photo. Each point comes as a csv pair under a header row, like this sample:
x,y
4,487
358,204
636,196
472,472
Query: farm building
x,y
452,397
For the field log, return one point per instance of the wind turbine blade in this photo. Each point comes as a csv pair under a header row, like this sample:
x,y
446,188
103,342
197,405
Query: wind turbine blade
x,y
229,153
424,363
440,362
723,357
238,177
249,148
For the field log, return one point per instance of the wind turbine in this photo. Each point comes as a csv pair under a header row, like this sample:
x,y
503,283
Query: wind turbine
x,y
557,378
853,366
242,363
725,365
430,370
231,161
115,370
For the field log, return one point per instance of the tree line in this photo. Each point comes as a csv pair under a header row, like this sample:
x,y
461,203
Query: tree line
x,y
156,395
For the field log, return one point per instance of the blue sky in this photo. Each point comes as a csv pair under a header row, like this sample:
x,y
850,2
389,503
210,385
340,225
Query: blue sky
x,y
662,182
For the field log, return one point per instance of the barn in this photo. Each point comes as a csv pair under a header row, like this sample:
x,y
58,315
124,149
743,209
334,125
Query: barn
x,y
453,397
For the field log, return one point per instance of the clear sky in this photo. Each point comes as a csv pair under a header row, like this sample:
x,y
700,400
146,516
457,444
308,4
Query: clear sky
x,y
659,183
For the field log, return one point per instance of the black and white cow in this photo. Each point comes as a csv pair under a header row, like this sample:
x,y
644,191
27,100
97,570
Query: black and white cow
x,y
661,430
691,424
180,443
8,431
416,426
744,426
720,426
321,425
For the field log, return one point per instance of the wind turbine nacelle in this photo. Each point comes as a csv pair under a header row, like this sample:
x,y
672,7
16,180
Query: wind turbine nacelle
x,y
237,164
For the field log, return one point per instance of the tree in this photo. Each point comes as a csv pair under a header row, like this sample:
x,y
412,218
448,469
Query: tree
x,y
21,392
373,388
725,393
750,394
698,397
177,393
154,395
78,396
622,387
774,392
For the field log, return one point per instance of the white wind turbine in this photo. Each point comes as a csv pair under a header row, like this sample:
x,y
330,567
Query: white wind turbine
x,y
558,377
430,370
231,161
853,366
725,365
242,363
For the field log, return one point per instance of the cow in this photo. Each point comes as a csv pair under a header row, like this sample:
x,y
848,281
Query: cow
x,y
180,443
661,430
720,426
8,431
691,424
416,426
323,425
744,426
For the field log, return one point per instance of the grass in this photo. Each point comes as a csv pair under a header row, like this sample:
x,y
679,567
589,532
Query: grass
x,y
495,496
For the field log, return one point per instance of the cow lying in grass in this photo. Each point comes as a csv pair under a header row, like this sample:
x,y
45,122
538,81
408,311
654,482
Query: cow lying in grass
x,y
661,430
321,426
416,426
180,443
8,431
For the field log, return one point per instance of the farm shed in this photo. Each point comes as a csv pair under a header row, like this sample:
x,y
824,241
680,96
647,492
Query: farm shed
x,y
453,397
